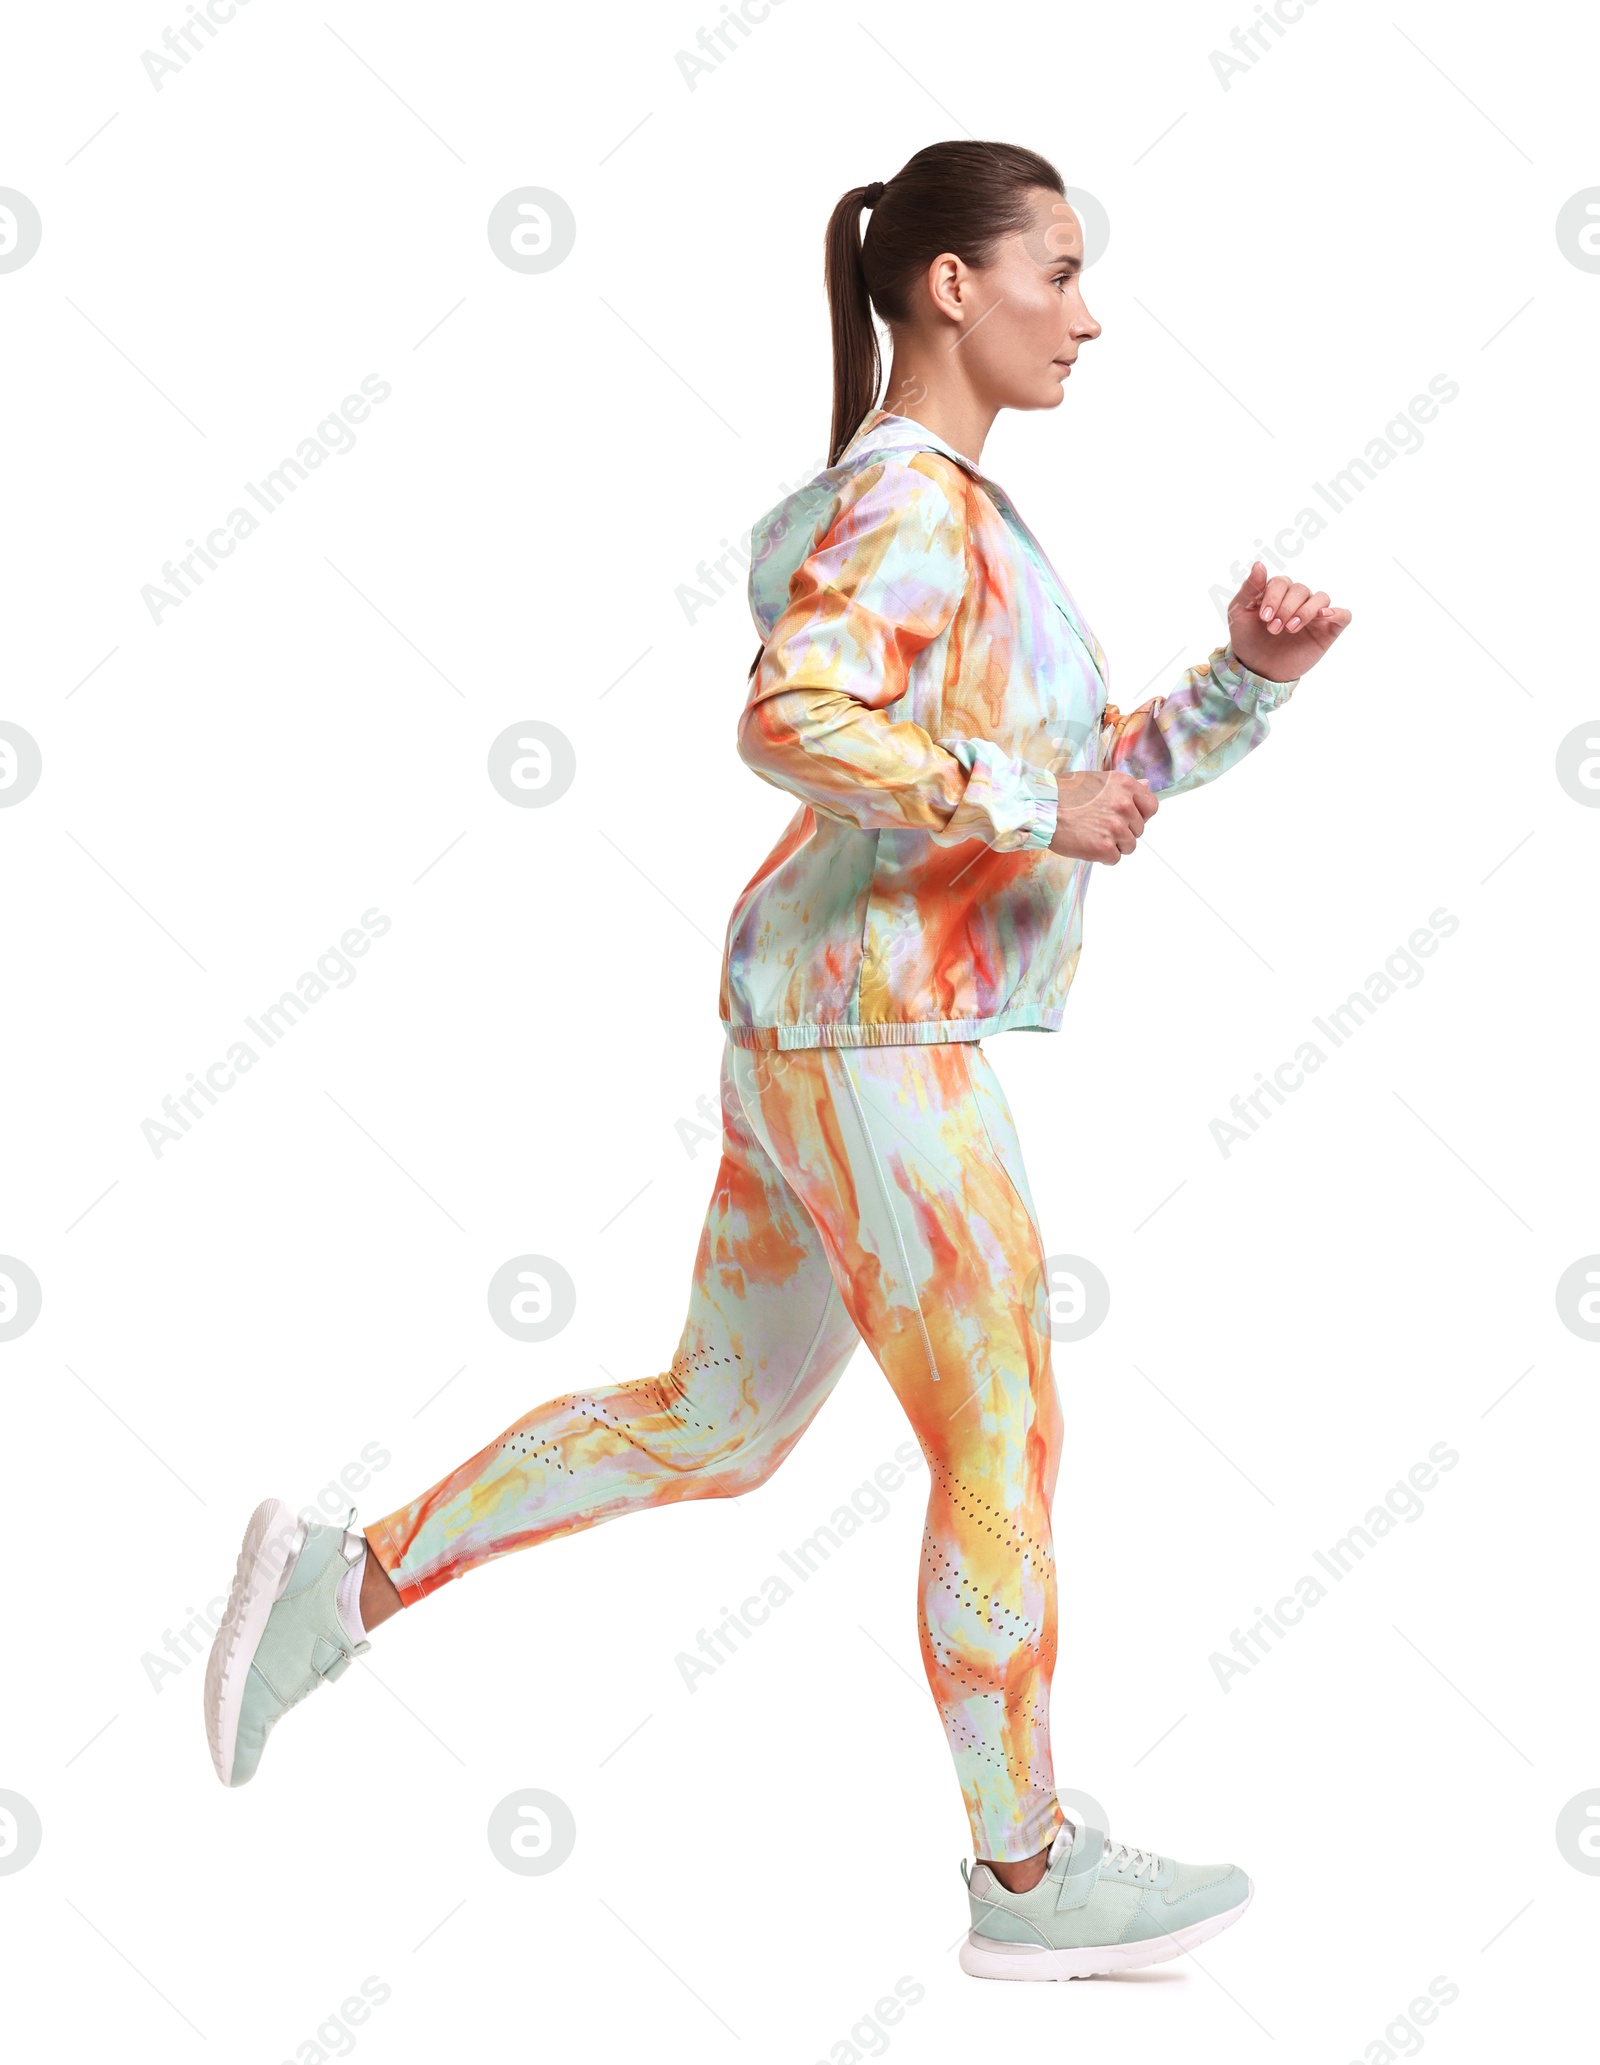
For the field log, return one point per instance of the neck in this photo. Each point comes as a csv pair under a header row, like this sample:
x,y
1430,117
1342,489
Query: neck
x,y
924,385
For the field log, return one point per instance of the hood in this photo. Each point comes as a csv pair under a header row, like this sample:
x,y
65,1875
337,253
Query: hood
x,y
784,538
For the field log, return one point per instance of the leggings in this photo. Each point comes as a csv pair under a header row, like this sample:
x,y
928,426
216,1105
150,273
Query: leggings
x,y
869,1194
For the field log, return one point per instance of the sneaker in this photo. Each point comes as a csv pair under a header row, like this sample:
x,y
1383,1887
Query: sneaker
x,y
281,1634
1101,1907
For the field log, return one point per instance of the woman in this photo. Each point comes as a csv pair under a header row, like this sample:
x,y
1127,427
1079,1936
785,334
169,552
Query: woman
x,y
928,691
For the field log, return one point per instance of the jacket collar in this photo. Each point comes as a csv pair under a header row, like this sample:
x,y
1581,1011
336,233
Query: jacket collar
x,y
882,431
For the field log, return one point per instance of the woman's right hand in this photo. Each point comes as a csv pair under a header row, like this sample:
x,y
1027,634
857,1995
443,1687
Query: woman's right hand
x,y
1100,815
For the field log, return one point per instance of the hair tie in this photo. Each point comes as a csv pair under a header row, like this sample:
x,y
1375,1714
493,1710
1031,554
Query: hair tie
x,y
872,193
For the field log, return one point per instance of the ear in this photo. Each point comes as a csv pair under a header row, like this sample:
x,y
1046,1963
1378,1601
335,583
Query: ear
x,y
948,284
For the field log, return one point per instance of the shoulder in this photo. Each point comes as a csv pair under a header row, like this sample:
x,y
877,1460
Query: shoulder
x,y
919,491
932,470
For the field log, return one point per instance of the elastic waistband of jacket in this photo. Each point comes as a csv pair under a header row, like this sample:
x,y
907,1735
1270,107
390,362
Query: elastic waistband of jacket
x,y
890,1032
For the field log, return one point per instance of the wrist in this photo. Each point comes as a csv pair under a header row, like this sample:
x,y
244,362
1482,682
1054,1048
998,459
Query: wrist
x,y
1237,677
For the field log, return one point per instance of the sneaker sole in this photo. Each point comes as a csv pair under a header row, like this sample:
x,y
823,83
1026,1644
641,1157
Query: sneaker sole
x,y
985,1957
267,1557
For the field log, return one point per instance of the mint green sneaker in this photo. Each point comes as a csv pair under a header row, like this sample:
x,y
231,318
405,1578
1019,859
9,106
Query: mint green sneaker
x,y
1100,1907
281,1634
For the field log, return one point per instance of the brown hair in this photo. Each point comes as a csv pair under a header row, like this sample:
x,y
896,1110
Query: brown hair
x,y
960,197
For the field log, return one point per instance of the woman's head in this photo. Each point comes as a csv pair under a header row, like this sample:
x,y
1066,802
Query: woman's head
x,y
970,246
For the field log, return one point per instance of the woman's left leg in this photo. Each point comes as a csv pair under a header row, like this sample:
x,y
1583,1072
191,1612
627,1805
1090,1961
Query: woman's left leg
x,y
907,1161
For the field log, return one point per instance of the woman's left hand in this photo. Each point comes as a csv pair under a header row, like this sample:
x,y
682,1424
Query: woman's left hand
x,y
1281,628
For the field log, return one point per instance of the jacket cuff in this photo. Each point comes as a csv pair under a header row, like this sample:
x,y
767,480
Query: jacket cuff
x,y
1046,796
1244,685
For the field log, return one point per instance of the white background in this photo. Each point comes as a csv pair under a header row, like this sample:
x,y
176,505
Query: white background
x,y
1292,1326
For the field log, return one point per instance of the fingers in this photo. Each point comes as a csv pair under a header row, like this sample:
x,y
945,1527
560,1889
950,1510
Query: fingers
x,y
1102,814
1283,604
1271,596
1253,584
1304,611
1281,600
1132,805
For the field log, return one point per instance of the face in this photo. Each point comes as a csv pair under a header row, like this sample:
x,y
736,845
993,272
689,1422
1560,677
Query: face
x,y
1022,316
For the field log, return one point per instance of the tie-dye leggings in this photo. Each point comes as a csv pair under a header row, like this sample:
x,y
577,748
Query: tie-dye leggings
x,y
864,1193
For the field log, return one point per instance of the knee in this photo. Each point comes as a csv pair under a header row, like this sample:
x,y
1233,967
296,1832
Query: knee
x,y
746,1466
722,1455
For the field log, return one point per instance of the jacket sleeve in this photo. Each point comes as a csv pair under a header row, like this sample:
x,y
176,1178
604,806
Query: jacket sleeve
x,y
1216,714
881,584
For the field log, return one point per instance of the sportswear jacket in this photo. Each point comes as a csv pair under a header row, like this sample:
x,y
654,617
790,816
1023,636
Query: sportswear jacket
x,y
924,677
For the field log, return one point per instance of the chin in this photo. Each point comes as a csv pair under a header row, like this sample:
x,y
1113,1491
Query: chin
x,y
1046,397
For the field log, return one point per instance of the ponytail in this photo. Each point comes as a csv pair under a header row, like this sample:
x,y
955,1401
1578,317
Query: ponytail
x,y
958,197
857,363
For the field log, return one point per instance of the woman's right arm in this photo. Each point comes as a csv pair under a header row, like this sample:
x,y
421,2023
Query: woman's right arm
x,y
876,590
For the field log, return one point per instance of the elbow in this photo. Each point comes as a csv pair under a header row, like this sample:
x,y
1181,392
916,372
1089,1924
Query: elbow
x,y
765,745
770,749
747,743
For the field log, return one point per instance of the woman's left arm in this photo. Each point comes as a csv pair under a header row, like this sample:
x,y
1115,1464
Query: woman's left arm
x,y
1219,711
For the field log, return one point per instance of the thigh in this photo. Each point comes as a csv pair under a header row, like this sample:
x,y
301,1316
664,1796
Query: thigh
x,y
767,1334
907,1163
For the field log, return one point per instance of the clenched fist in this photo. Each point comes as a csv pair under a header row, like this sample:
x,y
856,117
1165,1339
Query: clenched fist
x,y
1100,815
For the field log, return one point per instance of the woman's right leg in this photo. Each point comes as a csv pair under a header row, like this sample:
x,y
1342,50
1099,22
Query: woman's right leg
x,y
766,1339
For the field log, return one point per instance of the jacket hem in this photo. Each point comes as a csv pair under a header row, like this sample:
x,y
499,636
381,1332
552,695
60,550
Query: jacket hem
x,y
925,1032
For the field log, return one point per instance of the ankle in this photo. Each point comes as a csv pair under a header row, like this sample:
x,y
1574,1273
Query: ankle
x,y
379,1599
1022,1877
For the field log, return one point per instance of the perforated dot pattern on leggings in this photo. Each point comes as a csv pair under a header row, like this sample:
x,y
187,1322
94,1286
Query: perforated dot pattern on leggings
x,y
1021,1634
987,1518
669,1397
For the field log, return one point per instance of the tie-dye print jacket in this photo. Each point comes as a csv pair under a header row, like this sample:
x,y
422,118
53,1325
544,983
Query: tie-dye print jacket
x,y
924,678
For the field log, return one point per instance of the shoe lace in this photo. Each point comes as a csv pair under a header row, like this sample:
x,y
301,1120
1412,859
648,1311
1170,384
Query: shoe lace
x,y
1124,1857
